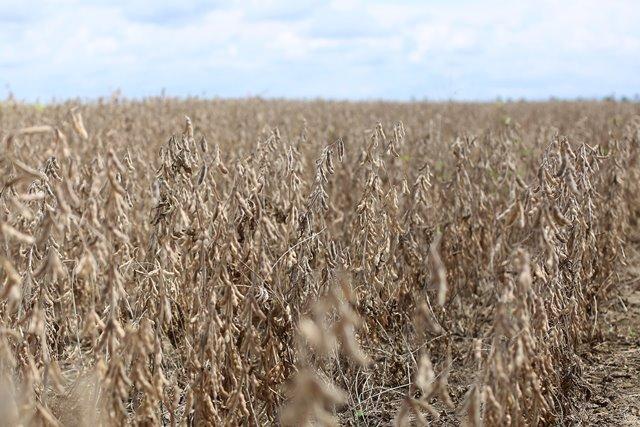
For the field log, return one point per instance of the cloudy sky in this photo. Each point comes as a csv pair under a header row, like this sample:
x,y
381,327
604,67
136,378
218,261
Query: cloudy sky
x,y
356,49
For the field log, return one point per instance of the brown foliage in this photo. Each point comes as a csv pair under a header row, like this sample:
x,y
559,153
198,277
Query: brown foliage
x,y
306,262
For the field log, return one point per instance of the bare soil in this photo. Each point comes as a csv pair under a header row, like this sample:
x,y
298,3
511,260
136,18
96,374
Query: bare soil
x,y
612,366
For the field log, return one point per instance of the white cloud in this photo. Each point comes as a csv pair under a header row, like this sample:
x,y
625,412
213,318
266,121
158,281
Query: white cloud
x,y
354,48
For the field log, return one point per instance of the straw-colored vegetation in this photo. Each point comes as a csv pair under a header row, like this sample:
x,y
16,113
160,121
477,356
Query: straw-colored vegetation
x,y
263,262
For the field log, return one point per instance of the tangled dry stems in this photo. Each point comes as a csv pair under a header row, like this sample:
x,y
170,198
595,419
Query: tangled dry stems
x,y
289,262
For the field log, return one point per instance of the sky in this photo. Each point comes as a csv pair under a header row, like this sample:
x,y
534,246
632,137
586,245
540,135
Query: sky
x,y
343,49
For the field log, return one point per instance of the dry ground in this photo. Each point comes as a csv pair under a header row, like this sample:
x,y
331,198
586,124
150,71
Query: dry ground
x,y
612,367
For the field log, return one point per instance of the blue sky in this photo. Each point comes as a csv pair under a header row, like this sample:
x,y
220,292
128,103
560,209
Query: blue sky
x,y
347,49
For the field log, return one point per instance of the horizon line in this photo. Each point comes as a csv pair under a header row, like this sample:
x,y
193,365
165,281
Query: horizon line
x,y
117,95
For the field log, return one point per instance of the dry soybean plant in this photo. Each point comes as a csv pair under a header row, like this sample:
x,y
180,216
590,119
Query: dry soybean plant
x,y
279,262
